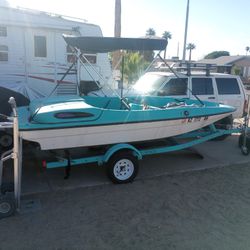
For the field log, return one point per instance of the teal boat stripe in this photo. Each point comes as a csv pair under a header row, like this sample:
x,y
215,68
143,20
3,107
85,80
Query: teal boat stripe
x,y
118,123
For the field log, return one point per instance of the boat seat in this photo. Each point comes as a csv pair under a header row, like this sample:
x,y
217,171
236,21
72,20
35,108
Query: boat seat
x,y
153,107
178,104
134,106
174,105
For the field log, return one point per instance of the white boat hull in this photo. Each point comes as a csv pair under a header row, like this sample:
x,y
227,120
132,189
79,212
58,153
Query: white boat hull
x,y
110,134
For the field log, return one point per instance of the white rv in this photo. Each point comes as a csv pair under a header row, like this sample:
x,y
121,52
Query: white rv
x,y
34,56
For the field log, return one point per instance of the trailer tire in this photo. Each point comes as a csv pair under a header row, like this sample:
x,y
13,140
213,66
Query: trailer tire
x,y
7,205
244,150
122,167
240,143
7,187
6,140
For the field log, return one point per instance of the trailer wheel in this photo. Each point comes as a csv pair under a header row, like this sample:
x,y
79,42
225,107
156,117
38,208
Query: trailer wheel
x,y
244,150
6,140
7,205
241,139
122,167
7,187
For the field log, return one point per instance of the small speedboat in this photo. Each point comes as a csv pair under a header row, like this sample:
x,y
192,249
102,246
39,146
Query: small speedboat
x,y
67,122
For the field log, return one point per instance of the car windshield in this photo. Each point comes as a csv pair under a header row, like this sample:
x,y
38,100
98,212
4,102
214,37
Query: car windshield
x,y
149,83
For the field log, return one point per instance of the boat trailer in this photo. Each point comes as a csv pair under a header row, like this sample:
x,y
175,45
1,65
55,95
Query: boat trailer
x,y
121,160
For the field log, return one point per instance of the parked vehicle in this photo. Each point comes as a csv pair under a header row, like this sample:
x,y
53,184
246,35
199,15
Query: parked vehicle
x,y
34,56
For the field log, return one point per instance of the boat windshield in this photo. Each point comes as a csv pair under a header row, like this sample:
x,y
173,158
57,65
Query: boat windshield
x,y
149,83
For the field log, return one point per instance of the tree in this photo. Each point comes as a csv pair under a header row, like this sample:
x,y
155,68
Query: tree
x,y
134,65
148,55
216,54
167,35
247,49
150,32
190,47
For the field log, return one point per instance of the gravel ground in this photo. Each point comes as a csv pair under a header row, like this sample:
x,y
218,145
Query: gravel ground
x,y
207,209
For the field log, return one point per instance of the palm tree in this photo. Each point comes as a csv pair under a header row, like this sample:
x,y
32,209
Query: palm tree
x,y
167,35
247,49
117,31
150,32
148,55
190,47
133,66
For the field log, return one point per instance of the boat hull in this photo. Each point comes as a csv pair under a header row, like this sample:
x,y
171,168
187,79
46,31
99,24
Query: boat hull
x,y
85,136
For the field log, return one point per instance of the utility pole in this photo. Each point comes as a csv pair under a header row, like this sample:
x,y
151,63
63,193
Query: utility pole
x,y
117,32
185,34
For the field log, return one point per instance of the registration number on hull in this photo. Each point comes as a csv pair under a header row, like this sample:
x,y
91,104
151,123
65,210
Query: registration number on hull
x,y
195,119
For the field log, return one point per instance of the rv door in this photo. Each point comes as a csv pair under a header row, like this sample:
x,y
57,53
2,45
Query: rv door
x,y
41,68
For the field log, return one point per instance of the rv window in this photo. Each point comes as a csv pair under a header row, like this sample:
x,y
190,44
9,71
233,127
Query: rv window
x,y
3,31
90,57
71,58
3,53
40,47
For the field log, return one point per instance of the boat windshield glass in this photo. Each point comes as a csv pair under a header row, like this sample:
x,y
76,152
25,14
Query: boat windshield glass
x,y
149,83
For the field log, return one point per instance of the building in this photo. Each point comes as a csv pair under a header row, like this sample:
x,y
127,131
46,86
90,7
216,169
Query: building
x,y
239,65
34,57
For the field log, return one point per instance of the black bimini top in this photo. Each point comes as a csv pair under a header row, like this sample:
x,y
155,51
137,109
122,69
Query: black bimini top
x,y
108,44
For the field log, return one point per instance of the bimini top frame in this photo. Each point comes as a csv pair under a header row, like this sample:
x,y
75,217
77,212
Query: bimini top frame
x,y
87,44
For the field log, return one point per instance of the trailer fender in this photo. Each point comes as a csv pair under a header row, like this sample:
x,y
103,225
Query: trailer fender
x,y
119,147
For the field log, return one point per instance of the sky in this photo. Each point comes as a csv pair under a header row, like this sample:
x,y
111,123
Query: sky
x,y
213,24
